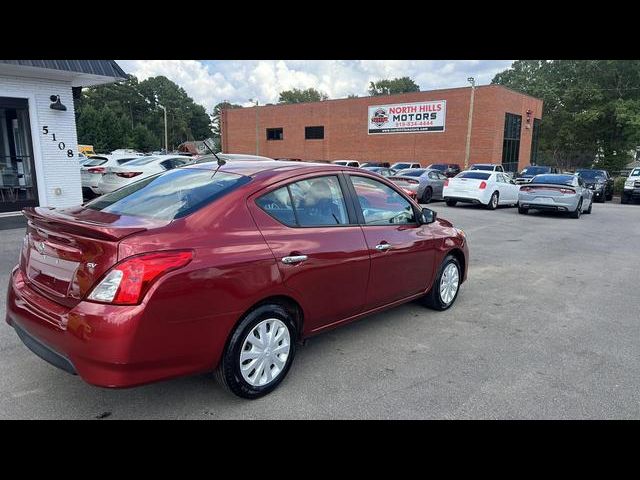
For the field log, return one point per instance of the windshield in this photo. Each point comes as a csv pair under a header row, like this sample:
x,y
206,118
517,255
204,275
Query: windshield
x,y
475,175
591,174
482,167
170,195
438,166
557,179
635,172
535,170
413,172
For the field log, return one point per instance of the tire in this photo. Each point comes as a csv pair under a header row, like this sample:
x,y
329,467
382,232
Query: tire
x,y
493,201
588,210
434,299
451,203
522,210
624,199
427,195
578,210
229,372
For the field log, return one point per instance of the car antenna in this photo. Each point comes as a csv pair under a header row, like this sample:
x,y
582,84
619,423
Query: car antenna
x,y
221,162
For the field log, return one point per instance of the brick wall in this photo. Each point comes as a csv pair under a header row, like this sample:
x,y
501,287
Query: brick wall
x,y
53,169
346,136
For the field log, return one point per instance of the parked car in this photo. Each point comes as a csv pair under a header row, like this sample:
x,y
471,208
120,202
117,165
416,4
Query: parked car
x,y
556,192
448,169
427,184
376,164
527,174
139,169
201,268
488,167
347,163
488,188
631,189
91,171
405,165
599,181
232,157
385,172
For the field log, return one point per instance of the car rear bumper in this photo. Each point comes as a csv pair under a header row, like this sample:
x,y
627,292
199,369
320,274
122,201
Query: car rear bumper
x,y
557,204
106,345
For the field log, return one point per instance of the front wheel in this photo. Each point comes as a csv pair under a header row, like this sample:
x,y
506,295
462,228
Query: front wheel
x,y
446,285
588,210
259,352
522,210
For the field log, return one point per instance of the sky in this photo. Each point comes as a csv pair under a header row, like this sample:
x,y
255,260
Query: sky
x,y
209,82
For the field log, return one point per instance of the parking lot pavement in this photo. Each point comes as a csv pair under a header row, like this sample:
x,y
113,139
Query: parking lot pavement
x,y
545,327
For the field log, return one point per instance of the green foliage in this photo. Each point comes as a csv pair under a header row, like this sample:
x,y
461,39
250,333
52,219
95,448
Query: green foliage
x,y
392,87
591,108
302,96
126,115
618,185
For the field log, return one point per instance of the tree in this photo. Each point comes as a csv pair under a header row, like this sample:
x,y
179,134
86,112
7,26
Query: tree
x,y
591,109
392,87
302,96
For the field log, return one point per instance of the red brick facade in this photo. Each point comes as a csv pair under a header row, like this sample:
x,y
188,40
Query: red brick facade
x,y
346,136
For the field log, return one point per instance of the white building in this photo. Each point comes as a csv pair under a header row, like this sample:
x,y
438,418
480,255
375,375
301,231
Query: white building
x,y
38,141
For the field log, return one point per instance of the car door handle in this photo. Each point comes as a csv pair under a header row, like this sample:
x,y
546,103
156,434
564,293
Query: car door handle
x,y
383,246
294,259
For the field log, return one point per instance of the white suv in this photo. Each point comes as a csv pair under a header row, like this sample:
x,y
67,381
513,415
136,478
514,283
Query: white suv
x,y
631,187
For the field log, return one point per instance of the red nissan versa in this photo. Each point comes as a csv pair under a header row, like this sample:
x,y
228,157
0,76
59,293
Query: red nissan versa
x,y
201,269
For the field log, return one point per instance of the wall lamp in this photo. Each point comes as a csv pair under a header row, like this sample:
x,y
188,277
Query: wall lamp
x,y
56,104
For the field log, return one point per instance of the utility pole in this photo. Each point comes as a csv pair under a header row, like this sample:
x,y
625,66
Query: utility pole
x,y
257,128
166,142
472,81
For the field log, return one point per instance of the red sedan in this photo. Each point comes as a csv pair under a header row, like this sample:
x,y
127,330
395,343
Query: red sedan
x,y
223,268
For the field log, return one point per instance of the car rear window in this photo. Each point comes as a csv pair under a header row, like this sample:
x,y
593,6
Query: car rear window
x,y
121,161
95,162
557,179
170,195
438,166
412,173
476,175
143,160
535,170
482,167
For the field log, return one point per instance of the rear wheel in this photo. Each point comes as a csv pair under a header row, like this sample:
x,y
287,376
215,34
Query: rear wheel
x,y
427,195
493,202
451,203
578,210
523,210
588,210
446,285
259,352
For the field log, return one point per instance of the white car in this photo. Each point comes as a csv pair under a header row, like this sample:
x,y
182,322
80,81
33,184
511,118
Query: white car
x,y
91,171
142,167
405,165
631,190
347,163
485,188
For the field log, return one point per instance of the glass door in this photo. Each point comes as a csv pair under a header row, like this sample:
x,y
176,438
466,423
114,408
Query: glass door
x,y
17,173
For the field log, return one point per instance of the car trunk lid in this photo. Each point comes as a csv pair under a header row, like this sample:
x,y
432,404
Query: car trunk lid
x,y
66,251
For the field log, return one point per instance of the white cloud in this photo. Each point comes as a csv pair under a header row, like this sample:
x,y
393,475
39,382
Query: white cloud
x,y
210,82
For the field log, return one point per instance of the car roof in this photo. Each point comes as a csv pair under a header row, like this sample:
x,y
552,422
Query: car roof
x,y
253,168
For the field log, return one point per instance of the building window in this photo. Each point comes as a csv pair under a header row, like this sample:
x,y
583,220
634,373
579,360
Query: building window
x,y
511,142
314,133
274,134
534,141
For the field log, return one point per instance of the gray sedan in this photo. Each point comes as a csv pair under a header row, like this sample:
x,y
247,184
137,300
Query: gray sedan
x,y
427,183
556,192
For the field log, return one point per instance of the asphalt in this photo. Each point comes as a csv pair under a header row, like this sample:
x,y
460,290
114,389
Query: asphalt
x,y
546,327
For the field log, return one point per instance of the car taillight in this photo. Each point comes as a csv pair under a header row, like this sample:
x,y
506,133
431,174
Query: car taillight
x,y
128,281
483,185
446,182
525,189
128,174
567,190
413,182
97,170
408,192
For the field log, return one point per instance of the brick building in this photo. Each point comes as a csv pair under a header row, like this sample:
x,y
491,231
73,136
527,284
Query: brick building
x,y
427,127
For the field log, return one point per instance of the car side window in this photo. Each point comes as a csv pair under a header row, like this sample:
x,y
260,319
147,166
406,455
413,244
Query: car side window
x,y
381,205
313,202
442,176
433,175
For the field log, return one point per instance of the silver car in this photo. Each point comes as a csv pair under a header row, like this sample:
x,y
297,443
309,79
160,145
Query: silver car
x,y
556,192
427,183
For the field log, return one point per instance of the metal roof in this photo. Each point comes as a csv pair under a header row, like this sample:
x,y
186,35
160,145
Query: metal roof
x,y
106,68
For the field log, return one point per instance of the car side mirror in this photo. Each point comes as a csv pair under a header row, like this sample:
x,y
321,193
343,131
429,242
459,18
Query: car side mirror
x,y
428,216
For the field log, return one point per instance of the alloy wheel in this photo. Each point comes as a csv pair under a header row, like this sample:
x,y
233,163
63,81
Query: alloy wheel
x,y
449,283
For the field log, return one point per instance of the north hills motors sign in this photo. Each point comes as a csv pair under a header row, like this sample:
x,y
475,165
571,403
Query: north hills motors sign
x,y
408,117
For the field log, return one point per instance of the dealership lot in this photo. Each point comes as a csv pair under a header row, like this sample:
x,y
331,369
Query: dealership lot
x,y
545,327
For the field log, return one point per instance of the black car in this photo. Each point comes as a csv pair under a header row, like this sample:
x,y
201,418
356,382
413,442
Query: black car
x,y
375,164
527,174
450,170
599,181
